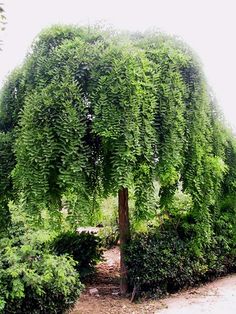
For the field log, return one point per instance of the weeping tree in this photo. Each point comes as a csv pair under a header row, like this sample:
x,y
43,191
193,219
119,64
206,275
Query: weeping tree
x,y
90,114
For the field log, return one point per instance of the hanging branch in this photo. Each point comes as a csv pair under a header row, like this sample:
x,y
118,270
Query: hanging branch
x,y
2,22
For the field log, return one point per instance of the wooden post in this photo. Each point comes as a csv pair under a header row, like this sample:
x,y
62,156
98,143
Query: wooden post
x,y
124,230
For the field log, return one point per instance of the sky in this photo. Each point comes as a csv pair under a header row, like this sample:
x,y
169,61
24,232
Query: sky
x,y
208,26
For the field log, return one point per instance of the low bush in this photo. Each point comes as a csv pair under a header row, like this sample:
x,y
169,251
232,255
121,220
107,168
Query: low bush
x,y
162,261
34,281
84,247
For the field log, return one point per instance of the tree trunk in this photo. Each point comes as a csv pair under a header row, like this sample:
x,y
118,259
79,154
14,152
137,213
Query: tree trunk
x,y
124,235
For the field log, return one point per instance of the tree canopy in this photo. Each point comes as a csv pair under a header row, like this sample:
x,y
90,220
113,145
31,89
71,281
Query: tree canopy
x,y
91,112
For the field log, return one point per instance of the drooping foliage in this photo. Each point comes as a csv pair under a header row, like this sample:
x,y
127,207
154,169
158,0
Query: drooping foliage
x,y
170,112
2,22
11,104
56,148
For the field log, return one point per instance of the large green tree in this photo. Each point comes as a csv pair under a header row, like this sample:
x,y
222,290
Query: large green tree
x,y
91,113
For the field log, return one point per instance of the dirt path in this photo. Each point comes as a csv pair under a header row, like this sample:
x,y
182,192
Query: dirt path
x,y
101,295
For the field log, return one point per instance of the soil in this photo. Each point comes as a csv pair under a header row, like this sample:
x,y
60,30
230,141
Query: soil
x,y
101,295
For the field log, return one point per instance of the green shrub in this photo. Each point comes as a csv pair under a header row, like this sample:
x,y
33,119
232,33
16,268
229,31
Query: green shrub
x,y
161,261
84,247
33,281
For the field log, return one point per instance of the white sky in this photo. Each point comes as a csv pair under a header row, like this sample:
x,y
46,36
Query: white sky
x,y
208,26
